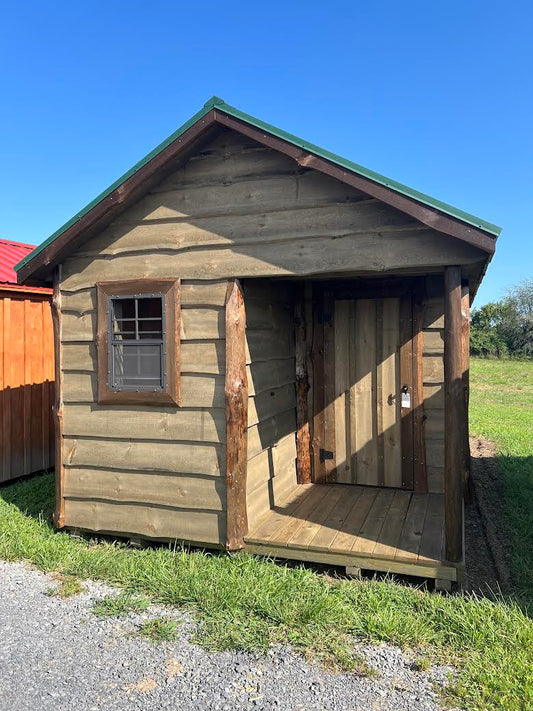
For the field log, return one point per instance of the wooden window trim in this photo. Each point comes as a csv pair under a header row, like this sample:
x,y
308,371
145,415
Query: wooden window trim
x,y
170,288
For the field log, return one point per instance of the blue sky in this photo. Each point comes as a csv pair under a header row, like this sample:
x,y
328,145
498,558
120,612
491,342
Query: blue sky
x,y
436,95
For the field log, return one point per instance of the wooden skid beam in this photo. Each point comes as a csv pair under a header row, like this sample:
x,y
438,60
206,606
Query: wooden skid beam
x,y
454,415
236,391
346,560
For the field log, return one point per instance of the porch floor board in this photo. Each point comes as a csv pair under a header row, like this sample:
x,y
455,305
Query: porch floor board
x,y
388,530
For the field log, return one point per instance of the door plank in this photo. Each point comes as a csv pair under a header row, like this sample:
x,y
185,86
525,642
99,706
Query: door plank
x,y
365,389
390,394
342,393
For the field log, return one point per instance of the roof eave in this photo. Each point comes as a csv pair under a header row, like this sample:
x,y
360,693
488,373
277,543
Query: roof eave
x,y
431,212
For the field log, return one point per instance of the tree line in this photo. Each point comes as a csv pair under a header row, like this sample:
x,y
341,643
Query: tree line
x,y
505,328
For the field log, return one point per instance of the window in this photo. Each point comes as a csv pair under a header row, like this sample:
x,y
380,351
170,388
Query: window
x,y
138,342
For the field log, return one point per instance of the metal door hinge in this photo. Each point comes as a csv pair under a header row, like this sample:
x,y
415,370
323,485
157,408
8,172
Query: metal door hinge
x,y
325,454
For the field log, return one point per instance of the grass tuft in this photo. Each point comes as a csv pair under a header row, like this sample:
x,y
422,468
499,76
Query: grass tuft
x,y
163,629
120,605
68,586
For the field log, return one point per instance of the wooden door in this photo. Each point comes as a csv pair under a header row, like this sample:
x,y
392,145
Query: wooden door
x,y
368,372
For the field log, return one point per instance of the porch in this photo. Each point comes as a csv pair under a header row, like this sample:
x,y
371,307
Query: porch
x,y
359,527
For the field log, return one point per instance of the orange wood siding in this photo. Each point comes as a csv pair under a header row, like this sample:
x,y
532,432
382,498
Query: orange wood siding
x,y
26,384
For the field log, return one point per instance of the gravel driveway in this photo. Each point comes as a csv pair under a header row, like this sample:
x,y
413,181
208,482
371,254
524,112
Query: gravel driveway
x,y
57,654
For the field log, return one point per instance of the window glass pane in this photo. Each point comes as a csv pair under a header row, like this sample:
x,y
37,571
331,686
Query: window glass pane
x,y
137,366
149,307
137,318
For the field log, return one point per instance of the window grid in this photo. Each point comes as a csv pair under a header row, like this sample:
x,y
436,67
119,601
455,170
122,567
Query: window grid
x,y
116,341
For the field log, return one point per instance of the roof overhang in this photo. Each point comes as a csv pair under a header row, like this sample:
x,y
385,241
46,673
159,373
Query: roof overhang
x,y
38,266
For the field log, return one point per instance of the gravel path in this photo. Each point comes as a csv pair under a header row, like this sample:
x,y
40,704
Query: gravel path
x,y
56,654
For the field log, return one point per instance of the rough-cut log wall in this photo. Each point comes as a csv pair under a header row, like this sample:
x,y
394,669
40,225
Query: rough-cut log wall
x,y
272,412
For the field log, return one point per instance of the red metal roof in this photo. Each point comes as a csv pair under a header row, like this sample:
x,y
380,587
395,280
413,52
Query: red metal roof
x,y
10,254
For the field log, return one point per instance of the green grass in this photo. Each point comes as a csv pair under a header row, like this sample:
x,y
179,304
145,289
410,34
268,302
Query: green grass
x,y
501,409
243,602
163,629
121,604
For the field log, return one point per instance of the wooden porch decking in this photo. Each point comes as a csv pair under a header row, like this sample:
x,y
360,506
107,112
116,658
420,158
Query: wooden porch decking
x,y
388,530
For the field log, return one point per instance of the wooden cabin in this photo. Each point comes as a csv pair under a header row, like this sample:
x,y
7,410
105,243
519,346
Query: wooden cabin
x,y
26,370
262,345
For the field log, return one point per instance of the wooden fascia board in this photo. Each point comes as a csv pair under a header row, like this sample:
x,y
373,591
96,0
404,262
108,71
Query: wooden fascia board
x,y
428,216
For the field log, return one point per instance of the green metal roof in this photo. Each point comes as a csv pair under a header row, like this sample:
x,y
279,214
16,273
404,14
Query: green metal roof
x,y
216,102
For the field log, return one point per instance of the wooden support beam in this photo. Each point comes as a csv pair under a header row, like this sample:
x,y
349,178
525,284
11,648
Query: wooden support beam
x,y
59,513
465,335
454,415
236,391
303,444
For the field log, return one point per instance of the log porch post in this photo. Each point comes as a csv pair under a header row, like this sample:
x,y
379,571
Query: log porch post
x,y
236,392
454,415
465,316
59,470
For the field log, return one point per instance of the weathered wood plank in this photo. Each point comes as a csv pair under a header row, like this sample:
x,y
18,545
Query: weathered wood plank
x,y
278,517
349,530
411,535
193,293
271,374
391,417
196,324
341,375
387,540
419,443
270,431
147,488
276,461
173,457
271,402
196,390
356,253
143,422
236,398
433,369
365,414
303,535
431,543
374,522
196,356
154,522
180,232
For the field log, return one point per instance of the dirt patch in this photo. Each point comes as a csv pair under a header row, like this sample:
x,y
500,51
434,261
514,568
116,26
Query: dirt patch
x,y
486,535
